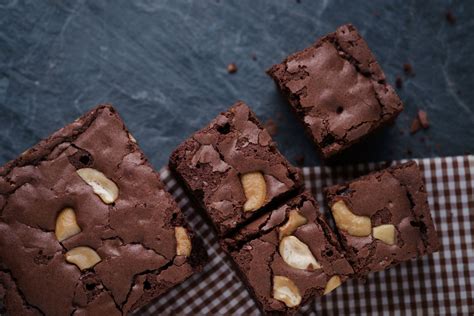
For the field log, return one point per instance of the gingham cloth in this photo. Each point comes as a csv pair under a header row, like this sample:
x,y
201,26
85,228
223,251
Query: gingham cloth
x,y
439,284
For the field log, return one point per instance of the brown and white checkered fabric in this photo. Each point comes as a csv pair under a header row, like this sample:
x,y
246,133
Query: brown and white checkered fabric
x,y
439,284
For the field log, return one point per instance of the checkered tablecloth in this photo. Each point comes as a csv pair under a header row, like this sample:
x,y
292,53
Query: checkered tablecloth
x,y
439,284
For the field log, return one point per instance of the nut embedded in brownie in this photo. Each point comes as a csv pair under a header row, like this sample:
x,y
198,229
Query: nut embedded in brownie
x,y
86,226
233,169
337,89
383,218
288,256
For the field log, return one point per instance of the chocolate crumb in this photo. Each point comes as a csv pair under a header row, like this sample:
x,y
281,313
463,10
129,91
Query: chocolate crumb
x,y
299,159
450,17
420,121
423,118
232,68
254,56
271,127
415,125
408,69
409,152
399,82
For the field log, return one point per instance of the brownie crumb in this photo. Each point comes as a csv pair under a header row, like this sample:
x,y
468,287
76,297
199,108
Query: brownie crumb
x,y
271,127
299,159
399,82
409,152
408,69
423,118
232,68
415,125
450,17
254,56
420,121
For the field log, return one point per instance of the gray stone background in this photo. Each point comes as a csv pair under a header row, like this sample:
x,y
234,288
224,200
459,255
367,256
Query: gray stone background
x,y
163,65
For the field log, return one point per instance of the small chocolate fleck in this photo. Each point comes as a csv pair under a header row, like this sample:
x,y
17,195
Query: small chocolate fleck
x,y
409,152
399,82
254,56
271,127
299,159
232,68
408,69
423,118
415,125
450,17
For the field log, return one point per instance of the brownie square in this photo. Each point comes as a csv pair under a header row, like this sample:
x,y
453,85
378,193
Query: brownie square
x,y
86,226
288,256
337,89
383,218
233,170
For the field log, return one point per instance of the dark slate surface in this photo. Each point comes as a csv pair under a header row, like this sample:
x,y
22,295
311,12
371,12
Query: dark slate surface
x,y
163,64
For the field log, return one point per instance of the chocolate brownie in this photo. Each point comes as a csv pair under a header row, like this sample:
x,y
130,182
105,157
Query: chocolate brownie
x,y
383,218
337,89
288,256
86,226
233,169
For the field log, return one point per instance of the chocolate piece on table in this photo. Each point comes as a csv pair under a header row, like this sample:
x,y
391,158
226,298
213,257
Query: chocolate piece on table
x,y
288,256
232,68
337,89
86,226
233,170
383,218
423,118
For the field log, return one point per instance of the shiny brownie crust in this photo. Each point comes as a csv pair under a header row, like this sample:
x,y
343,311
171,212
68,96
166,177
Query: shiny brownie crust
x,y
394,196
211,161
134,236
337,89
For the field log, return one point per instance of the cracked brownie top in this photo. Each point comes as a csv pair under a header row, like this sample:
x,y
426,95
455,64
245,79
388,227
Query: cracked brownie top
x,y
288,256
233,169
337,88
86,226
383,218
